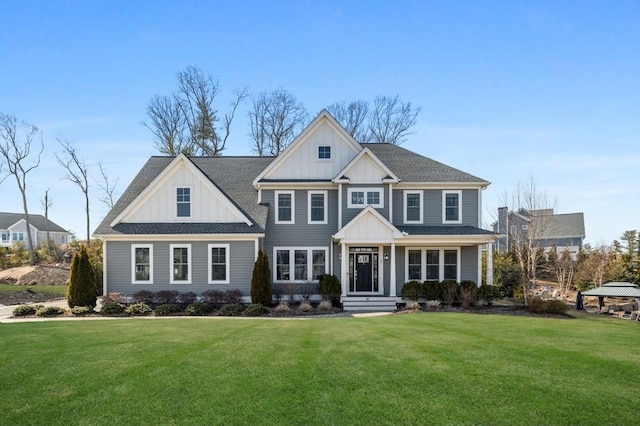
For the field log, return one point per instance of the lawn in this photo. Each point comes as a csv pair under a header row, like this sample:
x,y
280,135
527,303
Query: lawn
x,y
432,368
60,290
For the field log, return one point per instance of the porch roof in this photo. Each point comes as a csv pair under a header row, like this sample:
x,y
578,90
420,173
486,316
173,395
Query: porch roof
x,y
443,230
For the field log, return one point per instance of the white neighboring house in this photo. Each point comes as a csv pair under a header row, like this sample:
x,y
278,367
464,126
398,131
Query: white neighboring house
x,y
13,227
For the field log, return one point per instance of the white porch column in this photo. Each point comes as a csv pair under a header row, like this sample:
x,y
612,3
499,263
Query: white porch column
x,y
489,264
339,206
343,268
392,282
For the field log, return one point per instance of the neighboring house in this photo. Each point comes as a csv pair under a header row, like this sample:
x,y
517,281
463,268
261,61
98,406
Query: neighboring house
x,y
13,228
375,215
564,231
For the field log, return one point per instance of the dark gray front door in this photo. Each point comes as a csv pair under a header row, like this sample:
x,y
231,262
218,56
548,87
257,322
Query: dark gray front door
x,y
364,272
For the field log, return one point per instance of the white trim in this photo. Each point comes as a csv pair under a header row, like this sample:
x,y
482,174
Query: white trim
x,y
292,263
174,196
442,185
340,235
339,205
317,152
423,262
227,258
366,191
376,160
406,193
293,207
480,207
172,279
391,202
133,263
444,206
104,267
178,237
325,209
392,277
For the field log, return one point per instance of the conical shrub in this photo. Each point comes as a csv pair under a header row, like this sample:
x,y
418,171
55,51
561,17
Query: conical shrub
x,y
82,288
261,280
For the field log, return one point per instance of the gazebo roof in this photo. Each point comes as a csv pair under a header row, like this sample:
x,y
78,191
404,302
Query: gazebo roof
x,y
615,289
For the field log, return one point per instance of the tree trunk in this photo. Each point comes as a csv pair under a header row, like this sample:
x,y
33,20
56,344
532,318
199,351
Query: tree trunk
x,y
32,256
86,196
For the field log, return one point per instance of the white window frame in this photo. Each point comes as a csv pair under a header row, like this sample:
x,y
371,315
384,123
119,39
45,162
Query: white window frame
x,y
7,234
366,192
175,201
423,264
405,206
325,196
292,265
227,258
321,145
133,263
172,280
293,207
444,206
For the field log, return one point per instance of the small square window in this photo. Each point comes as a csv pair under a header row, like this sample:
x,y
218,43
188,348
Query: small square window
x,y
324,152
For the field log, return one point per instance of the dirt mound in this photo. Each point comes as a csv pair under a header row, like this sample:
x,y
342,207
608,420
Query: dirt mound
x,y
35,275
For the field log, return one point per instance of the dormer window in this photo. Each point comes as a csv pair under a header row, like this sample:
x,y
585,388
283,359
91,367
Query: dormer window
x,y
183,202
324,152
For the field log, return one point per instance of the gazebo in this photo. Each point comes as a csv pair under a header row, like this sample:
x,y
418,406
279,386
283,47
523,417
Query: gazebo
x,y
614,289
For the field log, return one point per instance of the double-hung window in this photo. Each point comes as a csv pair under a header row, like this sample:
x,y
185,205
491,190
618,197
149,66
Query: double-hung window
x,y
285,206
362,197
180,262
218,263
5,237
183,202
413,212
451,202
299,264
142,261
432,264
317,207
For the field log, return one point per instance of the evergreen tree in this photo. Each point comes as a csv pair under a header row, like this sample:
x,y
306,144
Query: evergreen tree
x,y
261,280
82,288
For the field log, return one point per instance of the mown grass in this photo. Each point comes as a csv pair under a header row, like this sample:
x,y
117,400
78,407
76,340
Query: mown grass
x,y
60,290
403,369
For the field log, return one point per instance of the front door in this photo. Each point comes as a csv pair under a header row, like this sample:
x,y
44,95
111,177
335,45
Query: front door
x,y
364,273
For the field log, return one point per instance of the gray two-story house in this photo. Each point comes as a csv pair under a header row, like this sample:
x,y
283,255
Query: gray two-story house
x,y
375,215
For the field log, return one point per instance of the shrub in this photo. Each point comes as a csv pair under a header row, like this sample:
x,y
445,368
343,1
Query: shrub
x,y
291,289
82,286
214,297
325,305
305,306
411,290
81,311
139,308
26,310
307,290
111,309
413,305
449,292
468,294
432,290
261,280
539,306
282,308
433,304
330,288
113,297
167,309
233,296
49,311
164,297
278,290
143,296
489,293
256,310
188,298
231,310
199,308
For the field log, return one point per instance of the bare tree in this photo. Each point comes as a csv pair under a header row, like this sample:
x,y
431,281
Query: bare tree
x,y
564,268
77,173
353,117
107,186
187,121
276,119
15,151
46,204
391,120
533,213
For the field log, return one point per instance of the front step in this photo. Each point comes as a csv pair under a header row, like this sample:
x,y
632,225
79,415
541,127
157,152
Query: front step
x,y
369,303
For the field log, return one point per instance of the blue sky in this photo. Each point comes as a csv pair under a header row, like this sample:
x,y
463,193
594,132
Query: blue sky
x,y
509,90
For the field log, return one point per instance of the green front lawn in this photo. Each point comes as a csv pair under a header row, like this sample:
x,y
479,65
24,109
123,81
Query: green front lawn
x,y
404,369
60,290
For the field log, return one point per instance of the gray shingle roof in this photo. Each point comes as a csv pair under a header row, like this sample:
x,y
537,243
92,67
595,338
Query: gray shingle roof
x,y
184,228
233,176
412,167
565,225
36,220
443,230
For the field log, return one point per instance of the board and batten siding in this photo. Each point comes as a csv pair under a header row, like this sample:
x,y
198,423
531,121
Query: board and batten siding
x,y
118,255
